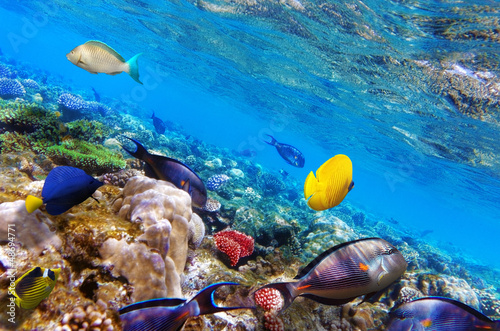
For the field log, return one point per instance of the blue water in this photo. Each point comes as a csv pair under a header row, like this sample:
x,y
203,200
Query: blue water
x,y
326,77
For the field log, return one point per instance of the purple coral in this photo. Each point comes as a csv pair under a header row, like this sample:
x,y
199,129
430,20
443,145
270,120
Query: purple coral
x,y
95,107
6,72
11,88
30,83
216,181
68,101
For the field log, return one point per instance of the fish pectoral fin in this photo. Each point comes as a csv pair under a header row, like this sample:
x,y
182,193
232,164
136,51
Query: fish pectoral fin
x,y
381,275
186,186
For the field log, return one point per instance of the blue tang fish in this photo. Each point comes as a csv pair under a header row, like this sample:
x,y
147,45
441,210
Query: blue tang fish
x,y
291,154
169,313
159,124
345,272
34,286
64,188
438,314
173,171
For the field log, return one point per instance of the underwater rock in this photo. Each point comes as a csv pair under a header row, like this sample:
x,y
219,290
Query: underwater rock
x,y
11,88
81,318
165,214
236,173
33,231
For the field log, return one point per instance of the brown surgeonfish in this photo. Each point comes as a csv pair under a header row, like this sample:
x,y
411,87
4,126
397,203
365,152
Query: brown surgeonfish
x,y
173,171
346,271
97,57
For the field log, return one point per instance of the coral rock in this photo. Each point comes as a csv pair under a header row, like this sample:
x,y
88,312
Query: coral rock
x,y
33,230
234,244
216,181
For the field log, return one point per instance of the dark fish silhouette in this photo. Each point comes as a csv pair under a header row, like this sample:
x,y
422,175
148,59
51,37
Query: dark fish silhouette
x,y
171,314
97,97
159,124
435,313
291,154
64,188
173,171
346,271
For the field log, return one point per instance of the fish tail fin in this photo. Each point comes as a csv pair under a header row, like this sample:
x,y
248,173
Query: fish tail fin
x,y
272,142
310,185
284,289
153,116
205,299
33,203
140,151
133,68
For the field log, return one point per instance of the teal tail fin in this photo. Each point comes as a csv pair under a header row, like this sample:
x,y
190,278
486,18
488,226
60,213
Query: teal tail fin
x,y
133,70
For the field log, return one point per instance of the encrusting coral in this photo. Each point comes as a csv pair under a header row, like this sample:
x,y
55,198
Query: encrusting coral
x,y
35,231
168,224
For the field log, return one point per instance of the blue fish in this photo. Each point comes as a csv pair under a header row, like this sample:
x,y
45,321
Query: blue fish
x,y
64,188
169,313
173,171
159,125
436,313
289,153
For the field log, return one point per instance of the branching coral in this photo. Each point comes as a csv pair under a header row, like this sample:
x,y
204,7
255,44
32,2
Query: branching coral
x,y
91,131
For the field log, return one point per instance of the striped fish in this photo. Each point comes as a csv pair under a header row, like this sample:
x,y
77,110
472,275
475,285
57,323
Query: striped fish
x,y
97,57
34,286
332,183
345,272
171,313
439,314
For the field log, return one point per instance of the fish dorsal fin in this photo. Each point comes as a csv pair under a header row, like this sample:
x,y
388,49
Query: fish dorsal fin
x,y
162,302
323,255
106,48
60,175
461,305
337,162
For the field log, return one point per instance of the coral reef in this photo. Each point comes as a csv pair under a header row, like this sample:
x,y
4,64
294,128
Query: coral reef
x,y
33,231
215,182
11,88
168,224
91,158
234,244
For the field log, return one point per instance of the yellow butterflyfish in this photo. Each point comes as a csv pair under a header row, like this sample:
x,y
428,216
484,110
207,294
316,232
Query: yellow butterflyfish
x,y
34,286
332,183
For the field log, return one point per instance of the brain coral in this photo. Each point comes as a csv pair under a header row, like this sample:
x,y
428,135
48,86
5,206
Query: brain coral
x,y
168,223
11,88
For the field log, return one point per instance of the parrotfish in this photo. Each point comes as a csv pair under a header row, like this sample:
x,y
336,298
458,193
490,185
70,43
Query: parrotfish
x,y
97,57
289,153
346,271
64,188
169,313
436,313
34,286
159,124
332,183
173,171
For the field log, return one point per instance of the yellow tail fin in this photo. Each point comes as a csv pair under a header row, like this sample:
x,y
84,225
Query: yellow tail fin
x,y
33,203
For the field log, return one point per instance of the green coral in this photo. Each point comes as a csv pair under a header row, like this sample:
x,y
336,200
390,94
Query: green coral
x,y
92,131
14,142
30,119
89,157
